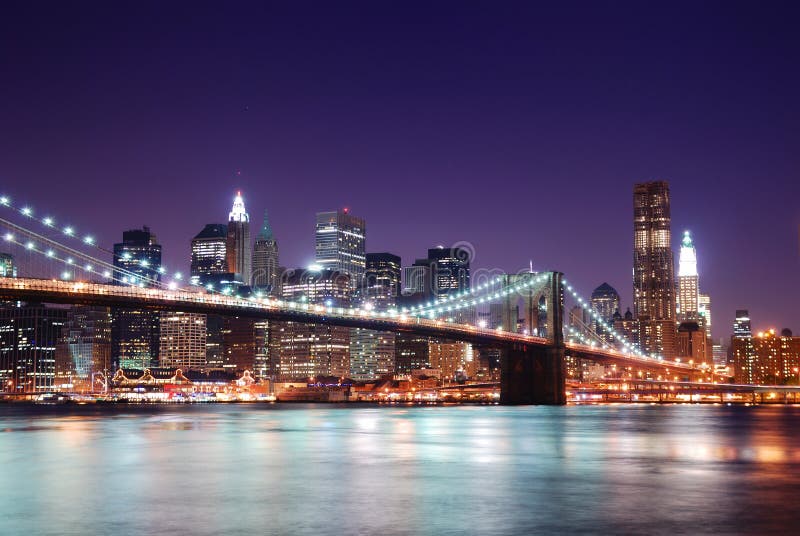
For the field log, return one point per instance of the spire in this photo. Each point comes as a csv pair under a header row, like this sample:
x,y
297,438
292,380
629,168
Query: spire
x,y
687,265
238,212
266,230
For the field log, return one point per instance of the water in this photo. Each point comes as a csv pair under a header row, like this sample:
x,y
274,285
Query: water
x,y
321,469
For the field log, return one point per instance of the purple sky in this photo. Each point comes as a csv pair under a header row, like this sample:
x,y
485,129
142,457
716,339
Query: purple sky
x,y
516,127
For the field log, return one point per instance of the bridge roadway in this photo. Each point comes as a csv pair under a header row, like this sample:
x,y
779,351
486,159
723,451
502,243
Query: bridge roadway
x,y
199,301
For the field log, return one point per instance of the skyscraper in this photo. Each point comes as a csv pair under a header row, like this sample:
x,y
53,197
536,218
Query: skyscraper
x,y
28,336
341,244
183,341
382,279
605,301
137,259
135,333
741,326
302,350
209,250
449,270
84,348
688,303
265,259
653,269
237,245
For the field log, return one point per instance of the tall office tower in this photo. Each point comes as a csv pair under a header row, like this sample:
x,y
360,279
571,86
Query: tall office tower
x,y
449,270
265,259
629,327
7,267
183,341
209,249
767,358
382,280
28,337
137,259
605,301
416,278
134,333
653,269
84,349
301,350
371,353
741,326
237,245
688,302
341,244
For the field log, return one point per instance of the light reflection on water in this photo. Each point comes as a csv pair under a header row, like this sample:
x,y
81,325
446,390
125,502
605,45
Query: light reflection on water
x,y
320,469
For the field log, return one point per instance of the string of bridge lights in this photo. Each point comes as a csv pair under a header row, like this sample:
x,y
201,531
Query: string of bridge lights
x,y
470,297
586,306
70,232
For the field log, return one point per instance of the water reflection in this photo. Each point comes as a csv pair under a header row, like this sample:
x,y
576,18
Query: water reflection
x,y
399,470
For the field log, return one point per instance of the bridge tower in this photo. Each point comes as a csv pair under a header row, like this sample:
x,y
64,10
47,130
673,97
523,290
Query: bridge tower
x,y
533,374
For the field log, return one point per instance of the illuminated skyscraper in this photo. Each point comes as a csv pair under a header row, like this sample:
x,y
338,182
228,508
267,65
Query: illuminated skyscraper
x,y
209,249
605,301
238,241
449,270
741,326
382,279
84,348
183,340
653,269
341,244
301,350
265,259
134,333
688,303
28,336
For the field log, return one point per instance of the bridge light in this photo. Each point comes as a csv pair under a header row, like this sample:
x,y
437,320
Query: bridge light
x,y
162,270
70,260
26,211
106,274
88,240
178,276
144,262
48,222
4,201
69,231
29,245
88,267
50,253
9,237
172,285
65,275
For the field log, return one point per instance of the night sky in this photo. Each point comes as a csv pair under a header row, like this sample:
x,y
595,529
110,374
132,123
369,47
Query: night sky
x,y
520,128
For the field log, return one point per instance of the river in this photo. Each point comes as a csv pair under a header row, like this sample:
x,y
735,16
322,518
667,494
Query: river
x,y
255,469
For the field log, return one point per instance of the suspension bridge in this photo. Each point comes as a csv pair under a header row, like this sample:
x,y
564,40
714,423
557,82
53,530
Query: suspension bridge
x,y
533,354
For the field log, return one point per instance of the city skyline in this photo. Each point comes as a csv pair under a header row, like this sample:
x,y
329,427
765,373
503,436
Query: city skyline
x,y
525,152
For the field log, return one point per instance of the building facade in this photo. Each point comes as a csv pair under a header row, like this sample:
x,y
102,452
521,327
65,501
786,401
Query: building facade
x,y
209,253
183,341
28,337
341,244
135,333
766,358
84,348
237,244
653,269
265,259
